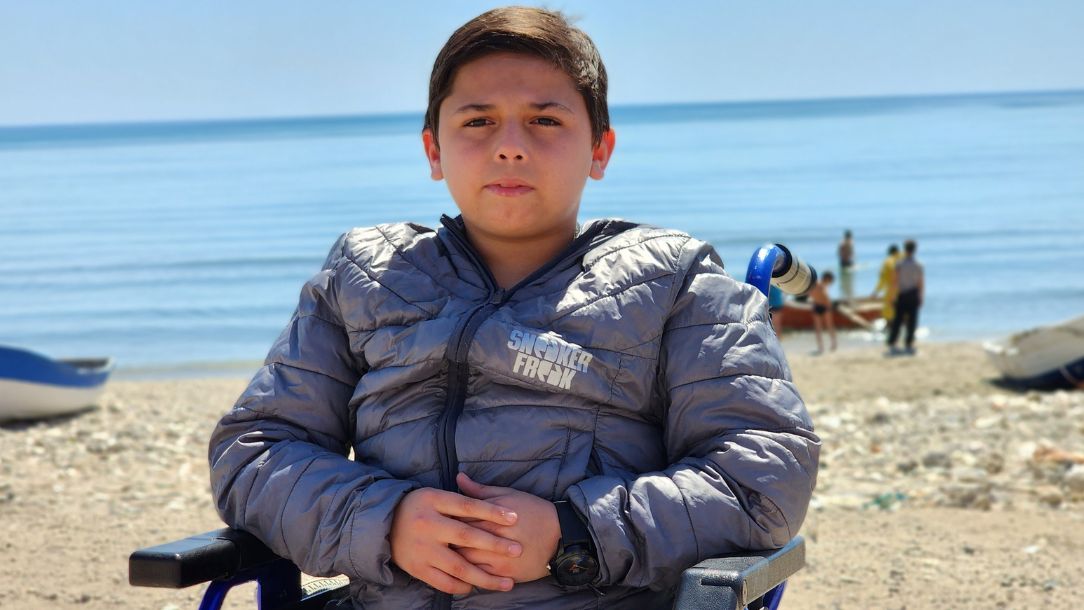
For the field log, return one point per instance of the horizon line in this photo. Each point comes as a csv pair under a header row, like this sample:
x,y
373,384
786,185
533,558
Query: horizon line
x,y
632,105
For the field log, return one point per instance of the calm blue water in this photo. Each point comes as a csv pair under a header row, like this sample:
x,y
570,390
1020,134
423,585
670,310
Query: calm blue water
x,y
172,245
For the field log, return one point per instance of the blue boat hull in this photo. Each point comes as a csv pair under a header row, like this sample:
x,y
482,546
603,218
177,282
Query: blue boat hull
x,y
1062,378
35,386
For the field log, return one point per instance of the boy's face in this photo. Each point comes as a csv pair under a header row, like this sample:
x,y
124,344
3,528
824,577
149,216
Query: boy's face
x,y
515,148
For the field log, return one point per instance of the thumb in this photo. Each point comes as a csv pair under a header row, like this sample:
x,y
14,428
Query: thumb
x,y
474,489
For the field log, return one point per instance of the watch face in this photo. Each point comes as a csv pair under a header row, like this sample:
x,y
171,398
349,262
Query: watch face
x,y
576,568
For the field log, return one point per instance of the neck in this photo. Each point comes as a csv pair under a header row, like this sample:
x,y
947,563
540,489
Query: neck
x,y
512,260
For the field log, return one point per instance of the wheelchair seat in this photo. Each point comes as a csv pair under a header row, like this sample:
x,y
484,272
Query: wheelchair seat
x,y
228,557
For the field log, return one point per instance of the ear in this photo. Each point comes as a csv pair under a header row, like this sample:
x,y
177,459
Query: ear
x,y
432,152
600,156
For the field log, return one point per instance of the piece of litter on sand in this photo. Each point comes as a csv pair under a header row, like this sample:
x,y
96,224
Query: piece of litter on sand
x,y
1046,453
886,501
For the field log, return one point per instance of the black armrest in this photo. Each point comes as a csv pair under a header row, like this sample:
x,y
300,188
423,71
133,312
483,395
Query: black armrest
x,y
197,559
733,581
729,582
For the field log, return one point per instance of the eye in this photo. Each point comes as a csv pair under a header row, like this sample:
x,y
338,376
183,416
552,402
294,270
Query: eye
x,y
546,121
479,122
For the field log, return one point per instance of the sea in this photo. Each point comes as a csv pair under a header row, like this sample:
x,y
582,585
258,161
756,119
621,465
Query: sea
x,y
180,248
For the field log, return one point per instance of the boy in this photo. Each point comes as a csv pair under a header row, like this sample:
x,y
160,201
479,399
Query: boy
x,y
822,310
542,414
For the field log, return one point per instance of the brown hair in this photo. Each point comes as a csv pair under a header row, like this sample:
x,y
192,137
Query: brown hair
x,y
530,31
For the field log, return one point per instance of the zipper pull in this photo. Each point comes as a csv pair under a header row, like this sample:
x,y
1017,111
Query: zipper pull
x,y
497,296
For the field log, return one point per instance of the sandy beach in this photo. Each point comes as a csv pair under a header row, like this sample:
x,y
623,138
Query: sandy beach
x,y
937,488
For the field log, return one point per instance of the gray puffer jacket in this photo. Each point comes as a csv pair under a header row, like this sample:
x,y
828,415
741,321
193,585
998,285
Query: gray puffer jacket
x,y
630,375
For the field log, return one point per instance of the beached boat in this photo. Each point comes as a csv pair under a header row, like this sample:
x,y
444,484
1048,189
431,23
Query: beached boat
x,y
33,386
798,315
1047,357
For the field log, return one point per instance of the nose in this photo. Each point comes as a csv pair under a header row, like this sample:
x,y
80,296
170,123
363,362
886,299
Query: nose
x,y
511,145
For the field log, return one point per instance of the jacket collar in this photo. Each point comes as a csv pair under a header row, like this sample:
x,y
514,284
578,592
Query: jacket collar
x,y
588,237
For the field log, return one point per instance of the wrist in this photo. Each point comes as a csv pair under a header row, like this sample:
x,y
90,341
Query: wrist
x,y
575,561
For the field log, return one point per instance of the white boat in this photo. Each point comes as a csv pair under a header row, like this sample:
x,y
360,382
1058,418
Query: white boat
x,y
33,386
1046,357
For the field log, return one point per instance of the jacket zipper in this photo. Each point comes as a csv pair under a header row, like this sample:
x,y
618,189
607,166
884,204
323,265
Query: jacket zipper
x,y
458,375
459,347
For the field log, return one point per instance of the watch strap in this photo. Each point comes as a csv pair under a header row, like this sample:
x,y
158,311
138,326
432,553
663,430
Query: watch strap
x,y
573,529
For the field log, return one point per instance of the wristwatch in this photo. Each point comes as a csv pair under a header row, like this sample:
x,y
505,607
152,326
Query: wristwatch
x,y
576,561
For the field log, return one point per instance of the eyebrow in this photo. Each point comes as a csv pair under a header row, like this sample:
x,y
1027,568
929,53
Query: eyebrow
x,y
535,105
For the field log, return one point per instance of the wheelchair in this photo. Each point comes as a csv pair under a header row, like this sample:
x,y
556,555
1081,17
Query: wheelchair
x,y
228,557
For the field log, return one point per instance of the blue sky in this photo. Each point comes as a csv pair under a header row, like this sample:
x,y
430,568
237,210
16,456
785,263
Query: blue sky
x,y
68,61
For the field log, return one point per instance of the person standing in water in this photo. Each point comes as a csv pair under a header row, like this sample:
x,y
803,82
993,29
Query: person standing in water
x,y
845,251
886,282
910,287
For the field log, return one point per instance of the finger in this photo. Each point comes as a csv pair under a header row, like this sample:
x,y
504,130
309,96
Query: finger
x,y
454,565
442,582
475,489
480,490
456,505
462,535
490,562
488,526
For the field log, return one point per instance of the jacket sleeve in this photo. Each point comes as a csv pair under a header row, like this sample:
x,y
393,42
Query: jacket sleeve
x,y
742,452
278,459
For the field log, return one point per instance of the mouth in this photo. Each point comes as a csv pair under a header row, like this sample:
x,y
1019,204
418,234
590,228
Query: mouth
x,y
509,187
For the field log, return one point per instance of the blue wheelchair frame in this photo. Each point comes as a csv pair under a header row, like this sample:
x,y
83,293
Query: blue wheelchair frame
x,y
228,557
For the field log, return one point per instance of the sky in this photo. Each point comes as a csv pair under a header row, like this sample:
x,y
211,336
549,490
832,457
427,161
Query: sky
x,y
70,61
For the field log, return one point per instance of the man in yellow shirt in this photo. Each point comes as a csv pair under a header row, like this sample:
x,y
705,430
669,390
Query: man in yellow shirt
x,y
887,281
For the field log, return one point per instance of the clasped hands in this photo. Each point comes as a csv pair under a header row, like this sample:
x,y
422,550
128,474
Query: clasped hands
x,y
487,537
